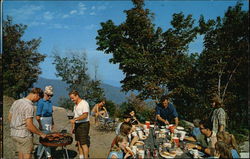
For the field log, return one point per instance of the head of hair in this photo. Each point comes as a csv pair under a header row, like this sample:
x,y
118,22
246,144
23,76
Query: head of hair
x,y
223,149
38,91
218,101
126,115
206,124
125,128
163,98
228,138
118,139
196,122
74,92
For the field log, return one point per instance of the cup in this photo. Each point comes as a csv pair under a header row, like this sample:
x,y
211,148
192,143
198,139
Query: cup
x,y
183,134
134,134
176,141
134,148
171,128
195,153
146,132
141,154
148,124
140,134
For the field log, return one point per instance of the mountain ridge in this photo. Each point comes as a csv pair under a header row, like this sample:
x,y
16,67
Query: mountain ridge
x,y
111,92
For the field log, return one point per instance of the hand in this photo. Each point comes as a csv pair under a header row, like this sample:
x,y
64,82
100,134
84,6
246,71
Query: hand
x,y
43,135
72,121
166,122
127,155
191,146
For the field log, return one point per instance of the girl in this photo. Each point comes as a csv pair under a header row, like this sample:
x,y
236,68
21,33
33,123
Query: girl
x,y
229,139
120,144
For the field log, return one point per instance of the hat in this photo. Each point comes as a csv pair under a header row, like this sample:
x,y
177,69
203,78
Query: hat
x,y
48,90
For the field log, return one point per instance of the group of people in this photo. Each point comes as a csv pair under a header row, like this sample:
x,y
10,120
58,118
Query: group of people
x,y
209,134
21,116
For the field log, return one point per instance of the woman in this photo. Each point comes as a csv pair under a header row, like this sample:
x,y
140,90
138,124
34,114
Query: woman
x,y
229,139
44,117
218,115
120,144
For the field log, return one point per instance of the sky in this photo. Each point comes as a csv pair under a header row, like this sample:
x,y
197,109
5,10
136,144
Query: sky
x,y
72,25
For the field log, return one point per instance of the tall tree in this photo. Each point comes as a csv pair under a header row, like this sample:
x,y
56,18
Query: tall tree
x,y
146,55
224,60
73,71
20,59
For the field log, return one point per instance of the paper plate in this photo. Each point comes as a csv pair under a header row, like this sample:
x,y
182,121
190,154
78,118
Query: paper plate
x,y
199,152
180,128
166,156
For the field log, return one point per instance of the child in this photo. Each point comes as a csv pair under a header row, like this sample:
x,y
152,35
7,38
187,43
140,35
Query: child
x,y
120,144
230,141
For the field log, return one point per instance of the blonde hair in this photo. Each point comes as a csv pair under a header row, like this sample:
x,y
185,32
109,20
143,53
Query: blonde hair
x,y
118,139
218,101
228,138
223,149
48,90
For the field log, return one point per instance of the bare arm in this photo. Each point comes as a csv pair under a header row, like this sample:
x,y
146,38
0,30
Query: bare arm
x,y
83,116
134,140
31,127
176,121
161,119
39,121
9,117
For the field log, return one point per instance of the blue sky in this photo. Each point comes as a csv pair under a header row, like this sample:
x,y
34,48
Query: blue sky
x,y
73,25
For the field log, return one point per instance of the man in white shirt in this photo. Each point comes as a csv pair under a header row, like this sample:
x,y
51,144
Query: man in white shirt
x,y
80,123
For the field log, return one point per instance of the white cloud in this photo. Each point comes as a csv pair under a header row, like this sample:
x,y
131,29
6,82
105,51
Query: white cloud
x,y
73,12
92,13
90,27
93,7
48,15
58,26
35,23
25,12
101,7
82,8
65,16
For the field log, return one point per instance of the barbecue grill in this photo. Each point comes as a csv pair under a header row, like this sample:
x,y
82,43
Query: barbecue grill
x,y
56,139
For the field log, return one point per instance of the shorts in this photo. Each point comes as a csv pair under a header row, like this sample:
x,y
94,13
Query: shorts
x,y
82,133
23,144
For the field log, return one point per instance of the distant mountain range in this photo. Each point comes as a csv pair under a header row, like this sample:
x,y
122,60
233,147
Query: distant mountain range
x,y
111,92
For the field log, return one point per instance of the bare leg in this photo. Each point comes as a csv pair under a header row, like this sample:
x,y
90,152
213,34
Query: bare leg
x,y
27,155
20,155
85,150
80,148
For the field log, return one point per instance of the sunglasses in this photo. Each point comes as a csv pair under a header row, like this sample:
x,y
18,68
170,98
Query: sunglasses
x,y
49,95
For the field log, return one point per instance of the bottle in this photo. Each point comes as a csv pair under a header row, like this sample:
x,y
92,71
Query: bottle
x,y
148,154
155,154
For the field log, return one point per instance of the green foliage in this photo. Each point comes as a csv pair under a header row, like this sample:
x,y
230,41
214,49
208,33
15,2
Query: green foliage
x,y
21,59
66,103
73,71
157,62
111,108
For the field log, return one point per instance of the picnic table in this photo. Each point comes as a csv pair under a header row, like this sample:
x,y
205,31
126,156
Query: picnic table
x,y
155,144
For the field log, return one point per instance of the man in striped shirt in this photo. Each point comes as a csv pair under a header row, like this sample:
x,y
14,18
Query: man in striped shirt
x,y
21,123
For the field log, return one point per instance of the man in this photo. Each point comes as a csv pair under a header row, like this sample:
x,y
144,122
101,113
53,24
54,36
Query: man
x,y
166,112
211,139
80,124
218,115
21,123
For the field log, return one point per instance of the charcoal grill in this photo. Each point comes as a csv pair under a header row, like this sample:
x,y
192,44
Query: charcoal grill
x,y
56,139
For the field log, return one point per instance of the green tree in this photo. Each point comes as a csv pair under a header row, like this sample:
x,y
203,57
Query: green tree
x,y
73,71
20,59
148,57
